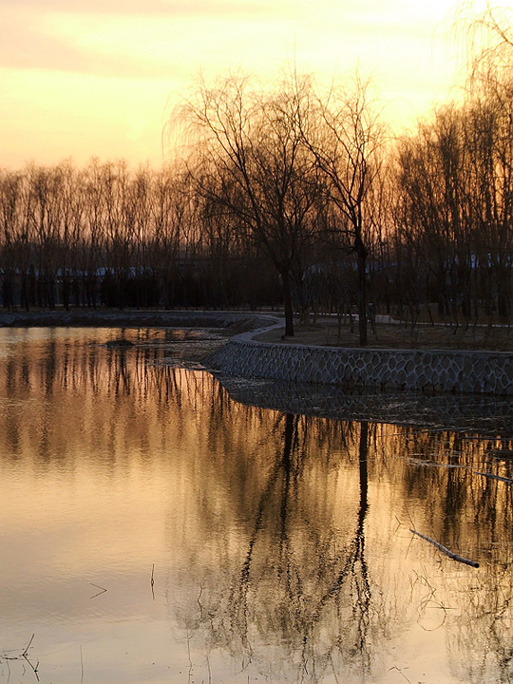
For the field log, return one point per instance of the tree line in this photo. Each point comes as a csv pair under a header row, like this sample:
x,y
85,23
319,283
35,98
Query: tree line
x,y
111,235
293,195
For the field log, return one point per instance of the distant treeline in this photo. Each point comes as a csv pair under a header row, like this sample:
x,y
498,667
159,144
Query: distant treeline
x,y
295,196
109,235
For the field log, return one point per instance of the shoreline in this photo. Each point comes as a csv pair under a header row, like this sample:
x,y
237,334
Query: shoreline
x,y
431,371
232,321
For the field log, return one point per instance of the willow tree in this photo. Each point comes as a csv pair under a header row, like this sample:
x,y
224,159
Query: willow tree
x,y
247,155
433,185
455,183
489,35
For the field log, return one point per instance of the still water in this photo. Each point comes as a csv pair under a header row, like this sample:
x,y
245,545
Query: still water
x,y
154,530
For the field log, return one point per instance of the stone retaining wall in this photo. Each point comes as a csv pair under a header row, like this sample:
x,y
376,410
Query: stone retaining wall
x,y
433,371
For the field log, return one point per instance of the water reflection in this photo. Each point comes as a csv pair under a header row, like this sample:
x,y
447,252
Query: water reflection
x,y
280,542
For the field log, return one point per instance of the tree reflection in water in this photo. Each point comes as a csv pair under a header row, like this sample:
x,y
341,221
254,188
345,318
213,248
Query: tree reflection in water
x,y
288,543
300,598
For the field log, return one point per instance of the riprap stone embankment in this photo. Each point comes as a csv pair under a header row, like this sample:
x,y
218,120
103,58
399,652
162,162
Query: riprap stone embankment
x,y
472,372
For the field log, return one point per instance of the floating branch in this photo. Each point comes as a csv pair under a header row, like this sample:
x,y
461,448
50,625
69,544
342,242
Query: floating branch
x,y
103,590
152,581
23,656
419,462
28,646
507,480
34,667
445,550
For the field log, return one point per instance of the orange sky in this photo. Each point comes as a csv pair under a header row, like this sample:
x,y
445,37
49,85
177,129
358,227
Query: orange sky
x,y
82,78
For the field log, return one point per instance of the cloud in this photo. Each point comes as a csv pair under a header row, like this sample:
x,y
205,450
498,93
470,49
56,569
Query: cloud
x,y
25,45
129,37
114,62
131,45
147,7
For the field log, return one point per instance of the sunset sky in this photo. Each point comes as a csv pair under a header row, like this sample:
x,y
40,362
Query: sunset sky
x,y
83,78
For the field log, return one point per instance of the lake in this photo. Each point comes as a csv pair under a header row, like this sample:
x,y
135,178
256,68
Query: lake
x,y
156,528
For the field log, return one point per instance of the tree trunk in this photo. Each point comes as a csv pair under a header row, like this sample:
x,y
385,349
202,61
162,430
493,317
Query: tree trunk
x,y
287,303
502,294
362,293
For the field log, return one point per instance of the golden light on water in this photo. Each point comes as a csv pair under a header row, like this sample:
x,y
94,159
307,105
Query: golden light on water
x,y
277,541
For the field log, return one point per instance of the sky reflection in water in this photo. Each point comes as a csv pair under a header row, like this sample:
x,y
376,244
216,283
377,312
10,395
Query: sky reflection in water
x,y
280,545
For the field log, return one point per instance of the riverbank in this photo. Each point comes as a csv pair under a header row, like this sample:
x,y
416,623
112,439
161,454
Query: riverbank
x,y
231,321
255,349
433,371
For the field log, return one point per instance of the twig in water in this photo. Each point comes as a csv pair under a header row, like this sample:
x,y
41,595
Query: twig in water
x,y
28,646
333,668
34,667
103,590
507,480
445,550
191,666
152,581
22,656
400,672
209,671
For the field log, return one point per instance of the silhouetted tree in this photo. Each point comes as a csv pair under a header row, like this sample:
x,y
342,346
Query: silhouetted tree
x,y
249,158
344,136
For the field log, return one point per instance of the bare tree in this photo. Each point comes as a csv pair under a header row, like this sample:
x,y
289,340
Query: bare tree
x,y
167,217
430,177
345,137
11,230
250,143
